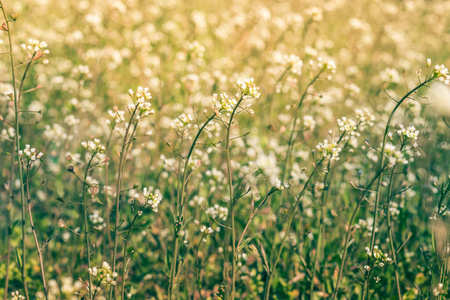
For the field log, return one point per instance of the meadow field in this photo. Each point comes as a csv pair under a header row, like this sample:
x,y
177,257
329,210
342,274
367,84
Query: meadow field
x,y
204,149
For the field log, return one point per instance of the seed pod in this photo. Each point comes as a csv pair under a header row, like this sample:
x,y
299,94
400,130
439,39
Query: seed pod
x,y
4,27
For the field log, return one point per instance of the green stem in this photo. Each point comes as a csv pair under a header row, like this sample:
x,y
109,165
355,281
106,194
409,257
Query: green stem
x,y
231,209
391,240
119,191
9,210
86,231
39,250
294,124
197,272
17,140
286,234
125,252
349,232
179,208
252,216
382,158
320,237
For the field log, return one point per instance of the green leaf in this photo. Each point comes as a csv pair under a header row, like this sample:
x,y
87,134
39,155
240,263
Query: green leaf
x,y
247,241
61,200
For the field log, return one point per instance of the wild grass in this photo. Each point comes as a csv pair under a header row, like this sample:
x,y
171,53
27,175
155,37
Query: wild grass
x,y
224,150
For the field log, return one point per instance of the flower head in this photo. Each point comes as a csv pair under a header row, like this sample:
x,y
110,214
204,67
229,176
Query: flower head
x,y
409,133
17,296
142,106
248,87
93,146
30,155
377,257
183,122
279,185
152,198
329,150
104,274
35,46
224,104
441,73
293,63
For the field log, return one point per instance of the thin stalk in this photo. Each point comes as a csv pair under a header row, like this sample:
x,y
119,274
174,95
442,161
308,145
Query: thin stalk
x,y
39,249
108,206
391,240
118,193
125,252
320,237
9,215
179,208
231,209
253,215
197,272
291,137
17,140
382,159
366,285
286,234
86,231
294,124
350,230
270,96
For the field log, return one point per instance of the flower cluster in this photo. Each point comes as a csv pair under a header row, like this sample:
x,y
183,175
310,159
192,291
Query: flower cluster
x,y
441,72
329,150
364,116
117,115
321,65
395,156
315,14
347,126
30,155
35,46
196,49
224,103
438,290
197,201
248,87
407,134
183,122
377,257
367,226
309,123
217,211
293,63
8,134
97,220
104,274
330,65
205,231
16,296
280,186
93,146
142,107
214,175
153,198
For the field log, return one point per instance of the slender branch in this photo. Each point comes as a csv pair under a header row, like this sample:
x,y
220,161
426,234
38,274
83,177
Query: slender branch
x,y
17,140
291,218
39,249
350,230
179,207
